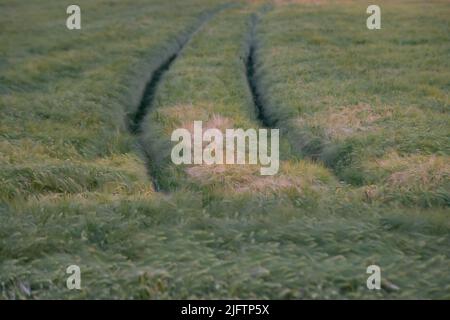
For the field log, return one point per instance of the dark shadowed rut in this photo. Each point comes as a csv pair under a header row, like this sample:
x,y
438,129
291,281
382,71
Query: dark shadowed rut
x,y
135,120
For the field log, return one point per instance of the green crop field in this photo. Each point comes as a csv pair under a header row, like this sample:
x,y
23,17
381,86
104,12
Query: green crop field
x,y
86,176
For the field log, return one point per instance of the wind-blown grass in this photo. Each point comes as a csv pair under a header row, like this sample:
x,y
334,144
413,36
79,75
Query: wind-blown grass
x,y
349,96
74,188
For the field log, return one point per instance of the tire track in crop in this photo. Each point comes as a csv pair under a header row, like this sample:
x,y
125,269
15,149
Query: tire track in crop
x,y
136,119
250,66
303,143
149,94
135,123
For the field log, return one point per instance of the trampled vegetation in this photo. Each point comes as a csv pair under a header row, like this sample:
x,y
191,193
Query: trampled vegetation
x,y
85,170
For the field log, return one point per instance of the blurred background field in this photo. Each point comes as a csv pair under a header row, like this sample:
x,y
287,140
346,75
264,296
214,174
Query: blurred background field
x,y
364,174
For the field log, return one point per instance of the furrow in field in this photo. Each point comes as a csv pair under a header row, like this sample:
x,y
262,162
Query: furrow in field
x,y
362,104
150,88
213,82
269,112
148,95
250,64
63,95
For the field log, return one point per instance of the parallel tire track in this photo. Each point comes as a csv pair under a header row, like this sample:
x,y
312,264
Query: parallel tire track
x,y
136,119
250,66
146,101
303,143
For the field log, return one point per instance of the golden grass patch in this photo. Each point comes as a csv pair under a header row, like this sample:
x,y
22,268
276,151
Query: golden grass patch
x,y
214,122
419,174
421,170
175,115
346,121
247,178
242,178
